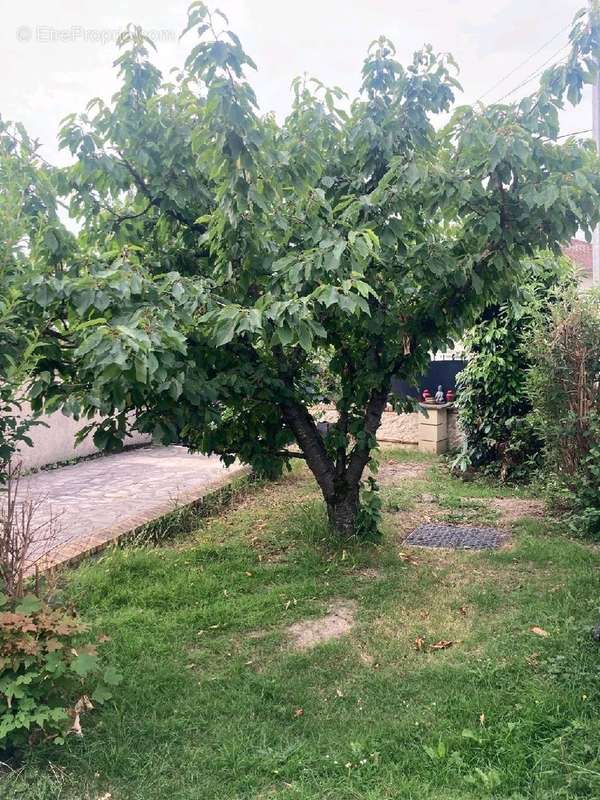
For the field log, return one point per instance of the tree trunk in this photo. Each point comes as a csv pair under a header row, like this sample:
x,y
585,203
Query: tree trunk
x,y
339,482
342,513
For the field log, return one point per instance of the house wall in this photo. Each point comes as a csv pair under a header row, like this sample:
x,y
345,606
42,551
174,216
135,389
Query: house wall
x,y
56,442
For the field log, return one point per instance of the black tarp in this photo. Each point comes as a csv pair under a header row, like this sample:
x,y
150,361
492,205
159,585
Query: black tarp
x,y
439,372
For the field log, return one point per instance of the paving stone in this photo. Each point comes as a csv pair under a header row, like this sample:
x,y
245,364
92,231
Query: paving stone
x,y
96,501
433,534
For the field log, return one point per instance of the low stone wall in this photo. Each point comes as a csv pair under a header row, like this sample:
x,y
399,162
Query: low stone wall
x,y
55,441
400,428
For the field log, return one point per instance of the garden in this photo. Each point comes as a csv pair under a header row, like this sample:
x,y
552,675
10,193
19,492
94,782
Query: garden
x,y
224,276
260,661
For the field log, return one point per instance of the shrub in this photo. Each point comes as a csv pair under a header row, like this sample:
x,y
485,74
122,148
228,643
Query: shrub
x,y
493,398
48,672
564,385
47,678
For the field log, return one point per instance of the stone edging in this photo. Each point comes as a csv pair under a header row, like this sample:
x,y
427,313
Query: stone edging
x,y
72,553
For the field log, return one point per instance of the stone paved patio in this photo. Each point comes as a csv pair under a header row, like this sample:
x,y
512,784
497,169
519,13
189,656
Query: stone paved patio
x,y
95,502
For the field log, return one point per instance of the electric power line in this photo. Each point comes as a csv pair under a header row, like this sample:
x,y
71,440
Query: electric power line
x,y
522,64
534,74
574,133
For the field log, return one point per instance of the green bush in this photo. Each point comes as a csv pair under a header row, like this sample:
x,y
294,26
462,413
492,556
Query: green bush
x,y
494,403
564,386
48,675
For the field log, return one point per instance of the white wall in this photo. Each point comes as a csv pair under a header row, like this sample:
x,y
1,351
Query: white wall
x,y
57,441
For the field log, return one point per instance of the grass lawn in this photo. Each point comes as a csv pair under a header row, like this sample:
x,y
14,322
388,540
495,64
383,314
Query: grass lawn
x,y
219,703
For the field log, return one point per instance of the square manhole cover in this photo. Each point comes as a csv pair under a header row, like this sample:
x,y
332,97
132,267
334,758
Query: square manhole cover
x,y
456,537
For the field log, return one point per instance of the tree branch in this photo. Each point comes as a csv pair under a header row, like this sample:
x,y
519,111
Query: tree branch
x,y
310,442
155,201
372,420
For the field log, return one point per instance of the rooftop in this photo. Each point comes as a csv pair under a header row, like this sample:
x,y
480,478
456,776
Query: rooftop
x,y
580,252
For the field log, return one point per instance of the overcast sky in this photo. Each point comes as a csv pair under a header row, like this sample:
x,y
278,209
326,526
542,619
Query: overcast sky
x,y
55,55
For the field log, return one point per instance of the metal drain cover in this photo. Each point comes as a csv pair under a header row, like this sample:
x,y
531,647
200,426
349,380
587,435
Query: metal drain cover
x,y
432,534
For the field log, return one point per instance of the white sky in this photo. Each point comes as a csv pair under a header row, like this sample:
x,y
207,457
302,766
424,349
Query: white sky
x,y
43,80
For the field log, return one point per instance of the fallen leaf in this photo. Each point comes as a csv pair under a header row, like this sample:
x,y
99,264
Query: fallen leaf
x,y
408,558
339,692
299,712
482,720
419,642
84,704
539,631
463,610
532,660
76,726
443,644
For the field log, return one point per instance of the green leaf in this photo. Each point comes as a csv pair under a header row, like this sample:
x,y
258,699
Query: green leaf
x,y
101,694
305,337
141,370
224,330
30,604
491,221
285,335
112,677
51,241
84,664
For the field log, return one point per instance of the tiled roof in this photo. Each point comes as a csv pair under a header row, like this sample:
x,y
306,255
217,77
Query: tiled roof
x,y
580,252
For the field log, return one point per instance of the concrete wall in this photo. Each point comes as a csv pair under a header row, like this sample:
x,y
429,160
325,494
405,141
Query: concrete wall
x,y
57,441
399,428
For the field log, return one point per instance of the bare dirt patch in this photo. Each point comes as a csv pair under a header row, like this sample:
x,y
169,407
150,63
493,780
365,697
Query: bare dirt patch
x,y
401,523
512,509
390,472
368,574
338,621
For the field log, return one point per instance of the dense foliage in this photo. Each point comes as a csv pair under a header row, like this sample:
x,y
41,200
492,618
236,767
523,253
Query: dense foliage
x,y
46,672
29,226
222,254
494,402
564,383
